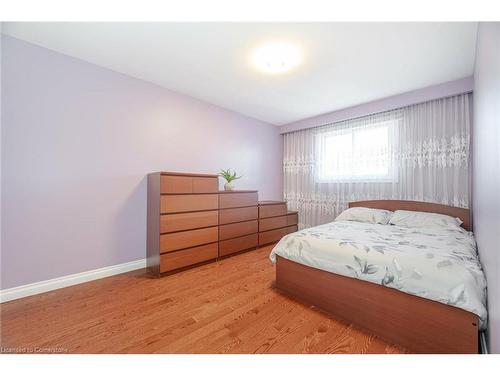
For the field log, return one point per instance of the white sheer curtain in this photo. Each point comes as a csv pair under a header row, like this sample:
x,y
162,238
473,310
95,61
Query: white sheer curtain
x,y
420,152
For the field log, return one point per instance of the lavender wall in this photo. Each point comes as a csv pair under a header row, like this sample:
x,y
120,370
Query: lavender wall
x,y
77,142
0,153
442,90
486,168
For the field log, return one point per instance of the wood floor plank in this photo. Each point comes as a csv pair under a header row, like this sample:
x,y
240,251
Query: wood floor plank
x,y
228,306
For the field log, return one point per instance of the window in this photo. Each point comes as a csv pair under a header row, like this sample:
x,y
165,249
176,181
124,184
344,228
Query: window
x,y
358,154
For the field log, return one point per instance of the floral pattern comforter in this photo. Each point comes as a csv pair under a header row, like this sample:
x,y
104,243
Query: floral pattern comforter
x,y
440,264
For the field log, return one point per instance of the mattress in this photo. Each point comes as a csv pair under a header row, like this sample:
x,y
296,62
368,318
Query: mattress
x,y
438,263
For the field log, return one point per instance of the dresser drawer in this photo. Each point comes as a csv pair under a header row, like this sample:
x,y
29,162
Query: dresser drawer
x,y
176,184
205,185
272,223
235,215
237,229
231,200
188,184
184,203
192,220
181,240
272,235
237,244
293,228
270,210
188,257
292,219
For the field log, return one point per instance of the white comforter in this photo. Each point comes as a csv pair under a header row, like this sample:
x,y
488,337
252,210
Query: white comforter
x,y
440,264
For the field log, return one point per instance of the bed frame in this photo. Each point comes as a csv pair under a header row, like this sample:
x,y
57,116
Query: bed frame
x,y
417,324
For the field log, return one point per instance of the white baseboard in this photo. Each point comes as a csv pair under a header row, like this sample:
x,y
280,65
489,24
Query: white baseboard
x,y
64,281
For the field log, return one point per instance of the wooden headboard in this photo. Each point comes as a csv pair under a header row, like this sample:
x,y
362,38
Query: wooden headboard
x,y
393,205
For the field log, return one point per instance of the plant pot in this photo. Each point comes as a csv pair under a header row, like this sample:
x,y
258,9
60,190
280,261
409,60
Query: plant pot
x,y
228,186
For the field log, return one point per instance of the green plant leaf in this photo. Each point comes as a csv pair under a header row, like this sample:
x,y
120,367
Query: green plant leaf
x,y
229,175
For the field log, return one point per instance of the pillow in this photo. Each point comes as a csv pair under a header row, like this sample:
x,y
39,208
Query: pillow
x,y
365,215
418,219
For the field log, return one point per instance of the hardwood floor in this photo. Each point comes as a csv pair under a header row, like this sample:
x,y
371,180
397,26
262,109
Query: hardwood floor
x,y
224,307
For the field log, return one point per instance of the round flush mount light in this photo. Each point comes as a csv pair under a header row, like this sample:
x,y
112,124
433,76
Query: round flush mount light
x,y
276,58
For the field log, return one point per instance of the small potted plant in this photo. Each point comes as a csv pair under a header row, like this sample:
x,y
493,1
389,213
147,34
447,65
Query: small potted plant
x,y
229,177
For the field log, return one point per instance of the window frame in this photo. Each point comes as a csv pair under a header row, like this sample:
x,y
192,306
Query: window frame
x,y
391,177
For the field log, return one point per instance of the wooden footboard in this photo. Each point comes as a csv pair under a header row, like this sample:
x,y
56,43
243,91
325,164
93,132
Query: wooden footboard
x,y
415,323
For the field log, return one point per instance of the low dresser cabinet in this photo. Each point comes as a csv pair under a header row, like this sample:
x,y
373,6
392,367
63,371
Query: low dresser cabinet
x,y
275,221
238,221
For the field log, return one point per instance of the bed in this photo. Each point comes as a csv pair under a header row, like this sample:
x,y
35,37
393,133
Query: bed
x,y
421,289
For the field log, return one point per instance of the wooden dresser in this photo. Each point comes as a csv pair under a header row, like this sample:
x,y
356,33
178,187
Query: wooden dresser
x,y
275,221
238,221
183,220
190,221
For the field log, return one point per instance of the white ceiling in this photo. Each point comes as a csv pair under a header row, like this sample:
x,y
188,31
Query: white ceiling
x,y
344,63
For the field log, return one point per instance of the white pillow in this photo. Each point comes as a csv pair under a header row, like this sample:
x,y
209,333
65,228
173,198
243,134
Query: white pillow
x,y
418,219
365,215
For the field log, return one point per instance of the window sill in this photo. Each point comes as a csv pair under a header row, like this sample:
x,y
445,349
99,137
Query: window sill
x,y
381,181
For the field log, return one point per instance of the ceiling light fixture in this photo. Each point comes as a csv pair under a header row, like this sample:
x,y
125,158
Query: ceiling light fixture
x,y
276,58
